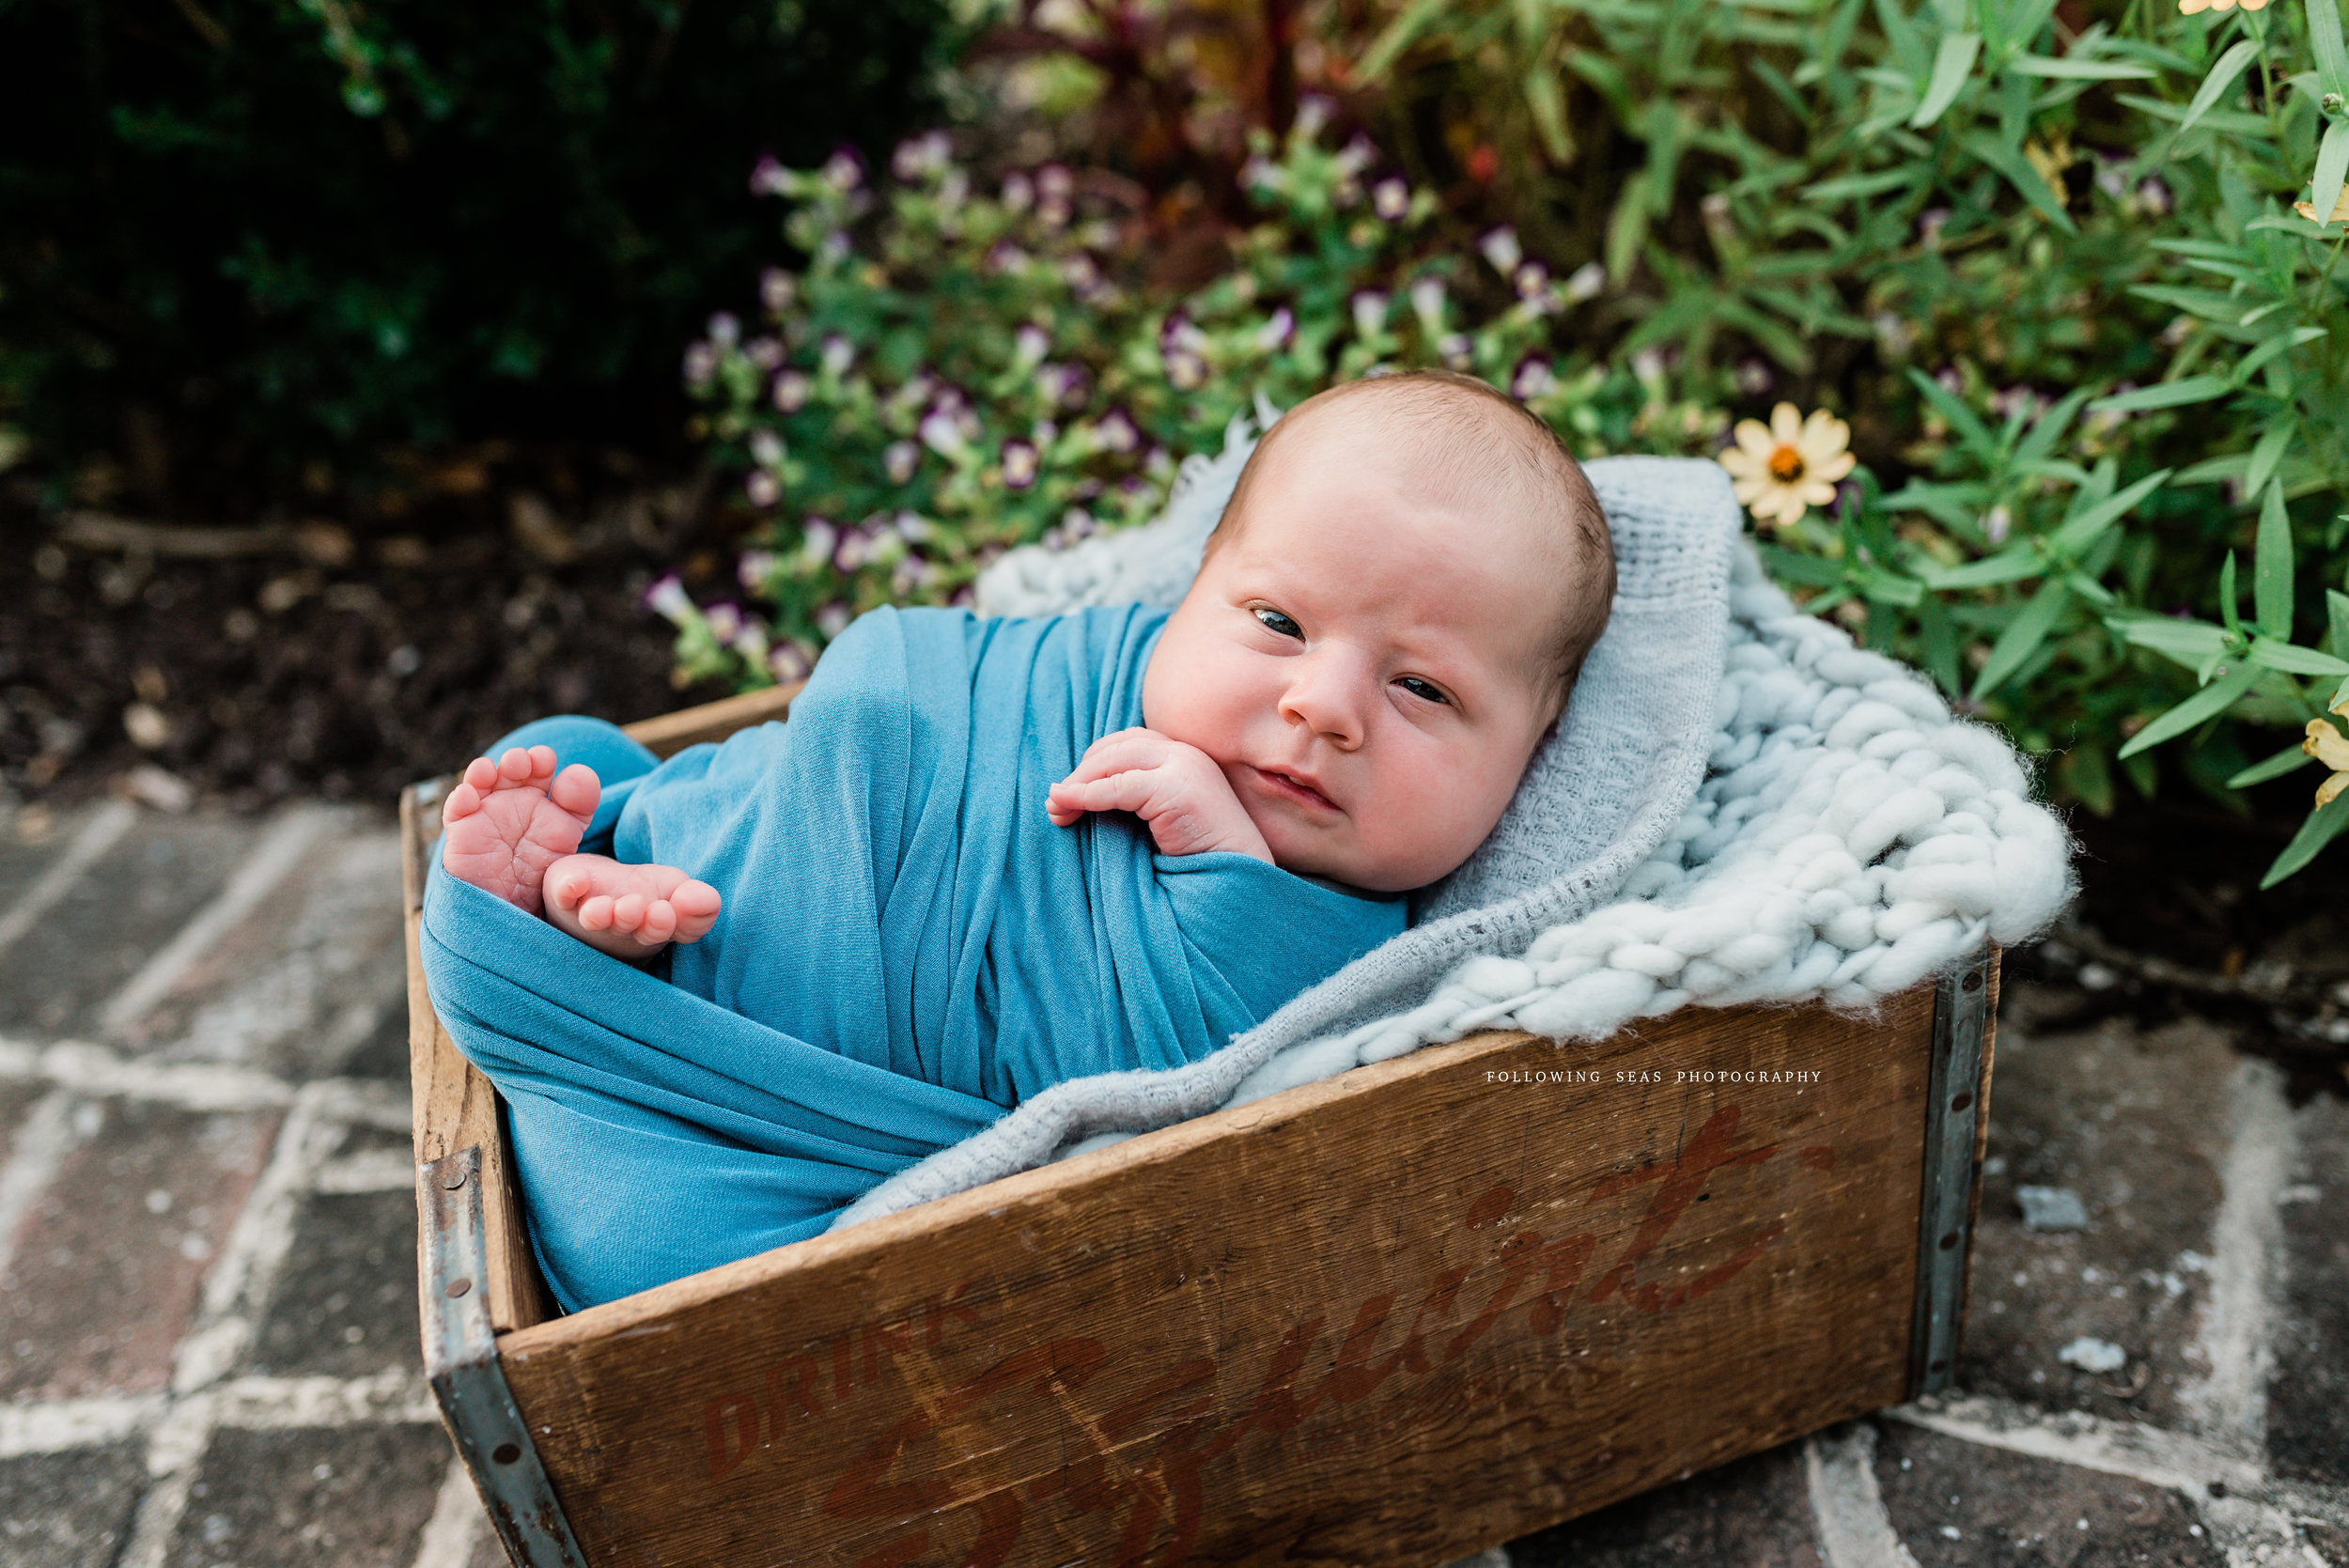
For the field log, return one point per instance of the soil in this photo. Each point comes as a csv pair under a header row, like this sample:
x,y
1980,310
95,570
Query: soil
x,y
340,657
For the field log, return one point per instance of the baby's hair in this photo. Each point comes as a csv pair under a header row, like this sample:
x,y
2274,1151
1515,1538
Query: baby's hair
x,y
1457,417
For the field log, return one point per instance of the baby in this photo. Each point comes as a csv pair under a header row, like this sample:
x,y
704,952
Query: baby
x,y
1386,621
988,856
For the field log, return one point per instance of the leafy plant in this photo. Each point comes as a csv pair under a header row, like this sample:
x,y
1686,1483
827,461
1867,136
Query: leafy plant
x,y
2065,275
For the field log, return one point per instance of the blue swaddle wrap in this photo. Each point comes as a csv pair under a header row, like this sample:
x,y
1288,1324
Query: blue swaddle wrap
x,y
908,950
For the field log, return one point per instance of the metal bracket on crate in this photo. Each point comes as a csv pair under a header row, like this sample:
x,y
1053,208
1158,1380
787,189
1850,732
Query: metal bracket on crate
x,y
1960,1021
460,1357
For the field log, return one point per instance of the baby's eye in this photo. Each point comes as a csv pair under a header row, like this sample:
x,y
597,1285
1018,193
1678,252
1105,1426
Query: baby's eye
x,y
1281,624
1419,687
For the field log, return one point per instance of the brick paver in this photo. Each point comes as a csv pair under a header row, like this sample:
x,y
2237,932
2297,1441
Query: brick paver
x,y
207,1324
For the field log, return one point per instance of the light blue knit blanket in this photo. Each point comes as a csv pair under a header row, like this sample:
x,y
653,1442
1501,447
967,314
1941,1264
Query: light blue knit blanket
x,y
909,948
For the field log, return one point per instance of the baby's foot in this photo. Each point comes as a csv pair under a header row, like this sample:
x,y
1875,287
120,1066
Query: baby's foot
x,y
629,911
508,820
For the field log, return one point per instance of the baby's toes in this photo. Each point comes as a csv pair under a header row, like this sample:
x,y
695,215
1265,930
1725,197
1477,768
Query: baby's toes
x,y
660,924
595,914
566,888
628,912
576,789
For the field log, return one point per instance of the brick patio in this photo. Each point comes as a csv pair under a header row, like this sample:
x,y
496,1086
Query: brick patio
x,y
207,1277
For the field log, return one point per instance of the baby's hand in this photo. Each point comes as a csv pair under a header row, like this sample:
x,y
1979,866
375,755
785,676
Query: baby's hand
x,y
1177,790
629,911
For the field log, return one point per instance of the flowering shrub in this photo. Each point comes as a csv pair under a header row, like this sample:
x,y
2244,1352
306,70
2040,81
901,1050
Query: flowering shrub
x,y
957,371
2065,282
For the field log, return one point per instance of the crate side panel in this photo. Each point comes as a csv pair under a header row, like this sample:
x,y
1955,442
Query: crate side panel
x,y
1403,1323
453,1107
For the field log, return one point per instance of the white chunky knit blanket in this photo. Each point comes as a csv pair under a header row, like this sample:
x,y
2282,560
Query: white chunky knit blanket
x,y
1739,806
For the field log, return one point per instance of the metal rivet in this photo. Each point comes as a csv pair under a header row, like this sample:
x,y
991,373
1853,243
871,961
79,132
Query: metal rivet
x,y
1961,1102
1948,1242
454,1180
505,1453
1973,982
458,1287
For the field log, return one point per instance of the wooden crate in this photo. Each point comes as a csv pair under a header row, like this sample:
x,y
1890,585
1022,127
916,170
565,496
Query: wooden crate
x,y
1393,1316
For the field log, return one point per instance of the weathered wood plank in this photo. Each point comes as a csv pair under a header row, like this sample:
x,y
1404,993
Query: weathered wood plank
x,y
674,732
1402,1313
451,1105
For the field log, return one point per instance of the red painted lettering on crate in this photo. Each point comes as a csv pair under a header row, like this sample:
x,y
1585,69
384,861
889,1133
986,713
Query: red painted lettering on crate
x,y
791,1390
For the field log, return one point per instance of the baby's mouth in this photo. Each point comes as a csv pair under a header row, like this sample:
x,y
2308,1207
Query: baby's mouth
x,y
1295,789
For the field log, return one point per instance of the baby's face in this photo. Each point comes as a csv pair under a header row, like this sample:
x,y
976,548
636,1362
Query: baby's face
x,y
1368,684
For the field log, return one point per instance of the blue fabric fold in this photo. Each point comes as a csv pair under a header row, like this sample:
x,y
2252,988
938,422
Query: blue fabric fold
x,y
909,948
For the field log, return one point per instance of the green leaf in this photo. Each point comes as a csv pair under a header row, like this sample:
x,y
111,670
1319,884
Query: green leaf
x,y
1968,426
2332,56
2333,160
2011,565
2022,636
2268,452
2271,570
2079,71
1810,570
2210,702
2227,596
2078,533
1399,36
2295,661
1951,67
2165,395
2325,822
2017,169
2336,620
2221,77
2283,762
2192,643
1549,104
1856,185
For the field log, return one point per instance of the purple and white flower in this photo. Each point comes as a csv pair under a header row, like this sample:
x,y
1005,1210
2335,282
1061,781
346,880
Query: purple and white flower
x,y
1391,197
1534,378
1500,247
768,177
1588,281
1370,313
777,289
1427,302
837,355
767,448
763,488
791,390
1020,463
754,570
1115,432
899,459
1277,331
844,170
668,598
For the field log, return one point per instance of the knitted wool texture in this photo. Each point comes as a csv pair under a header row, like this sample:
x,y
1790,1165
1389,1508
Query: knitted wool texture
x,y
1739,806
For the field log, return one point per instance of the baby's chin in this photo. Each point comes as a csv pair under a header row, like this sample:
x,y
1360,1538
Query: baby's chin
x,y
1311,855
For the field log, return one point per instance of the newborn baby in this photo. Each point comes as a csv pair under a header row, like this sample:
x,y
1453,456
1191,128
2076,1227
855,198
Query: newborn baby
x,y
1386,621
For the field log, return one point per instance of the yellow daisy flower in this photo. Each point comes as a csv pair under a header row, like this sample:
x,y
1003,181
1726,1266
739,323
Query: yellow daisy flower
x,y
2327,746
2340,209
1790,464
2189,8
